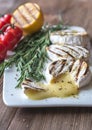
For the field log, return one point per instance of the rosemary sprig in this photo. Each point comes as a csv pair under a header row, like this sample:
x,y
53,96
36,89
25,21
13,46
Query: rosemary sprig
x,y
30,55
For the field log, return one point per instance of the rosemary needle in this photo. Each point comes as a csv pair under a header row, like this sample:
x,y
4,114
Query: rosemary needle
x,y
30,55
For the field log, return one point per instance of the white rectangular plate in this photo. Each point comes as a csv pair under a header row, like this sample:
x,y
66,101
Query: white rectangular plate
x,y
15,97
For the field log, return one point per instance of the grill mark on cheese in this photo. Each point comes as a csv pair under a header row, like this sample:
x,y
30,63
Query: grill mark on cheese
x,y
29,11
55,52
60,66
82,49
29,84
82,65
86,69
79,69
25,84
29,80
66,52
69,52
64,62
51,68
71,66
72,49
23,16
57,67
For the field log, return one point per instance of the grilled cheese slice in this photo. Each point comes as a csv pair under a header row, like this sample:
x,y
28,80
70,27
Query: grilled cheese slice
x,y
73,35
67,52
79,71
28,84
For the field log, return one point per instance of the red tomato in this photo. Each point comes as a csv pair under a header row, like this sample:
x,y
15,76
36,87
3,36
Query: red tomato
x,y
11,36
1,24
3,52
8,39
16,31
5,20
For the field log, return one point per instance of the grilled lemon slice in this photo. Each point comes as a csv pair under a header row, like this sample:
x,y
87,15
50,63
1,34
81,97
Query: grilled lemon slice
x,y
29,17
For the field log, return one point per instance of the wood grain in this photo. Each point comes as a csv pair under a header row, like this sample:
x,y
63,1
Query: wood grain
x,y
52,119
73,12
6,115
1,84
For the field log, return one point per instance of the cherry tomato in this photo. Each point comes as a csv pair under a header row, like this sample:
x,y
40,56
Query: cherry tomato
x,y
5,19
8,39
11,36
1,24
16,31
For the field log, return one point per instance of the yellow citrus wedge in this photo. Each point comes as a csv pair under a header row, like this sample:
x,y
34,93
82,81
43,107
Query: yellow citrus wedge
x,y
29,17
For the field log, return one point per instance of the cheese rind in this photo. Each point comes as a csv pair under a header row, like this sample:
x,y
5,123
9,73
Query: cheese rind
x,y
73,35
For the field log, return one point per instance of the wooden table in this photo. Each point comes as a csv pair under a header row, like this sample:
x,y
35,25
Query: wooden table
x,y
74,12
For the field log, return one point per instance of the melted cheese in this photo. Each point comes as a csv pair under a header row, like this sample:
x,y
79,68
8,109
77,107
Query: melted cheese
x,y
62,86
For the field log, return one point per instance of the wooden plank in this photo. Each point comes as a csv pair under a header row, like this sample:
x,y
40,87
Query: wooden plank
x,y
52,119
23,118
6,115
1,84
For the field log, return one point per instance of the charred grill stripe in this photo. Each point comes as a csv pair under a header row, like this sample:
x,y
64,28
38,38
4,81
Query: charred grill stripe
x,y
29,11
72,49
82,49
17,20
54,67
63,65
32,87
66,52
22,15
86,70
71,67
55,53
51,68
25,84
29,80
78,70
